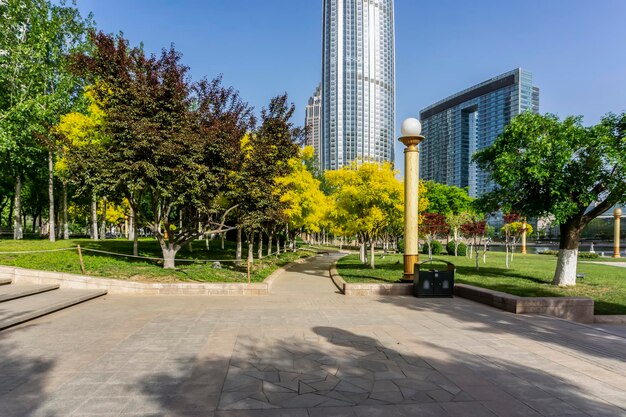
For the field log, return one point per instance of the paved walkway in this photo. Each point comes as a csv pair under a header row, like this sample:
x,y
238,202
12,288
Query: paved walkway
x,y
308,351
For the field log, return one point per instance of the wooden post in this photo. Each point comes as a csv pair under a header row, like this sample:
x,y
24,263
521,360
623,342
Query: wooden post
x,y
80,259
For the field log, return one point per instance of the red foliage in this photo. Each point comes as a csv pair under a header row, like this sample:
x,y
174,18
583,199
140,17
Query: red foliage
x,y
511,217
474,228
434,224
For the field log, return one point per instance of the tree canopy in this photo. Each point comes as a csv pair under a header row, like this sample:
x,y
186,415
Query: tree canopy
x,y
543,166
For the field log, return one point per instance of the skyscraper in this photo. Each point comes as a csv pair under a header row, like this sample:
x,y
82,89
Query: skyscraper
x,y
358,82
466,122
313,121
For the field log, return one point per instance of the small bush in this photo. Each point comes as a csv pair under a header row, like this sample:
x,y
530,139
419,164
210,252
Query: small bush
x,y
588,255
549,252
401,245
461,250
435,246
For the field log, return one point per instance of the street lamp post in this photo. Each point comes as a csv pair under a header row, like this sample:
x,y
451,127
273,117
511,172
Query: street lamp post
x,y
617,214
411,138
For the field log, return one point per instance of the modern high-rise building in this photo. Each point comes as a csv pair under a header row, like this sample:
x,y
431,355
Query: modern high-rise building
x,y
358,82
458,126
313,122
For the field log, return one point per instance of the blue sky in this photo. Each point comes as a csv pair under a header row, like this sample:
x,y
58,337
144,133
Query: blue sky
x,y
576,49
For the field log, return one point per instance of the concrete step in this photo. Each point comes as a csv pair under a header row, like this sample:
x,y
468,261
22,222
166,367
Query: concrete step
x,y
12,292
5,281
24,309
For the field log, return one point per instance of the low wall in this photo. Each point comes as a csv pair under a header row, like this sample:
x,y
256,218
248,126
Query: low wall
x,y
578,309
368,289
116,286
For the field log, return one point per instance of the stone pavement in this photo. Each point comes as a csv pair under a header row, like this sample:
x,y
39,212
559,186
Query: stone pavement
x,y
308,351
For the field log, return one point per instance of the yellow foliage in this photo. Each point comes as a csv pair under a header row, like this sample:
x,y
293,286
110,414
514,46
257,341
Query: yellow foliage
x,y
368,198
307,206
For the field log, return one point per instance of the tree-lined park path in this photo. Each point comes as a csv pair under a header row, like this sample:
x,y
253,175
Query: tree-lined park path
x,y
306,350
309,279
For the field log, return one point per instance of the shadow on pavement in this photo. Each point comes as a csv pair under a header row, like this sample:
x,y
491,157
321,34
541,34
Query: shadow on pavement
x,y
334,372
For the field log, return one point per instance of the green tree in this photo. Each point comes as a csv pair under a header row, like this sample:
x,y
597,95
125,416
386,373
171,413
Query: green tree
x,y
172,146
543,166
446,199
36,37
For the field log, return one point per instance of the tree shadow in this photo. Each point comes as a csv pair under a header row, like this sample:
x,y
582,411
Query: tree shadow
x,y
334,372
556,333
22,382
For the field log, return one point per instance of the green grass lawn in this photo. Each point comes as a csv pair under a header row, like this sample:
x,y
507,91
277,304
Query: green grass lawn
x,y
110,266
529,276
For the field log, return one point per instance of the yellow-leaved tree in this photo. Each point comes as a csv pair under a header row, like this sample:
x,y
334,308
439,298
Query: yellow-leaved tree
x,y
84,144
369,199
306,206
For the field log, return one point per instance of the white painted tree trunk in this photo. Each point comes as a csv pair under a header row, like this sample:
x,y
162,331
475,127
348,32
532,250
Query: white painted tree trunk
x,y
131,225
372,258
251,248
51,225
565,274
239,248
362,253
259,254
269,244
278,245
66,227
94,218
18,231
169,256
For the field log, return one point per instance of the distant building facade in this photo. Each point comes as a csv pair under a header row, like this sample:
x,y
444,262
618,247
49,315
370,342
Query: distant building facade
x,y
458,126
358,82
313,122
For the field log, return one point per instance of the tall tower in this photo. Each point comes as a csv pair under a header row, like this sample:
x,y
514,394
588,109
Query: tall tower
x,y
313,122
358,82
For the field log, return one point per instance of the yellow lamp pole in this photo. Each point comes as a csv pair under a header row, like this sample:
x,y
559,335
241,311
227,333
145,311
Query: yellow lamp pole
x,y
411,138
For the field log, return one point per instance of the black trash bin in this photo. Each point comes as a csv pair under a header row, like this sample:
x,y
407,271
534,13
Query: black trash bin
x,y
431,281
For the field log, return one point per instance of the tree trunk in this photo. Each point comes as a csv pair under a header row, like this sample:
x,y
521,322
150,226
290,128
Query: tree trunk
x,y
223,237
94,217
169,255
372,258
269,244
259,254
362,253
238,250
278,245
565,274
135,238
103,233
132,229
506,249
251,247
18,232
51,228
66,227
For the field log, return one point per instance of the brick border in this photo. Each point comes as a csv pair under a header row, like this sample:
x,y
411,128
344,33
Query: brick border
x,y
577,309
365,290
117,286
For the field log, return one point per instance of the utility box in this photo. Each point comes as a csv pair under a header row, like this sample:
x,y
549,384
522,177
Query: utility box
x,y
432,280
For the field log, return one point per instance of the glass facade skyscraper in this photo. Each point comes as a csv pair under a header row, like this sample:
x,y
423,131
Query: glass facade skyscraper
x,y
358,82
313,122
458,126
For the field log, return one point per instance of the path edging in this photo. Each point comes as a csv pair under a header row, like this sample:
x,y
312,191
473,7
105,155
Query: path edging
x,y
577,309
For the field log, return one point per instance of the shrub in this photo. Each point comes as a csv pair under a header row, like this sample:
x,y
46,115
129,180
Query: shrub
x,y
461,250
435,246
401,245
549,252
588,255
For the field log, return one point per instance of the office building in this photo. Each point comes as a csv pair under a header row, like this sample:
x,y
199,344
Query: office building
x,y
358,82
313,122
458,126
